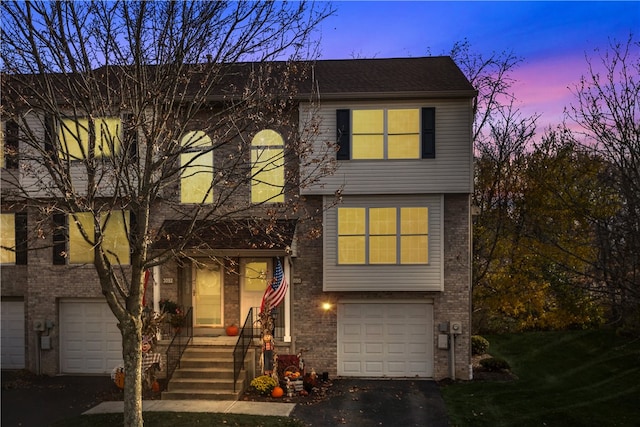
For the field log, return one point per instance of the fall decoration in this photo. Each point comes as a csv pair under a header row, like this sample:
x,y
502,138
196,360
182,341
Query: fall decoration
x,y
277,392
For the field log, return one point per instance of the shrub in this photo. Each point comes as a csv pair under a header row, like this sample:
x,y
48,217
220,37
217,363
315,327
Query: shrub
x,y
264,384
479,345
495,364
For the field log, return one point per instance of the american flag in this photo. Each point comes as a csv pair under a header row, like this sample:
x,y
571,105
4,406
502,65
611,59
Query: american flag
x,y
276,290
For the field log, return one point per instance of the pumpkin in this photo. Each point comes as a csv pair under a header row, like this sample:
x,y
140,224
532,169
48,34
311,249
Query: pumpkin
x,y
277,392
232,330
155,386
119,380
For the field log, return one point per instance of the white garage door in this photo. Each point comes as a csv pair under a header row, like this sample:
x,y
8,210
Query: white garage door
x,y
12,334
90,341
389,339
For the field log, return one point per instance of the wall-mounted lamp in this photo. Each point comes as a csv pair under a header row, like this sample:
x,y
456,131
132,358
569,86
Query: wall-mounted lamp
x,y
326,306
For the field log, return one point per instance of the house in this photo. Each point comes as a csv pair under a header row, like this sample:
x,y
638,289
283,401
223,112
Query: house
x,y
382,290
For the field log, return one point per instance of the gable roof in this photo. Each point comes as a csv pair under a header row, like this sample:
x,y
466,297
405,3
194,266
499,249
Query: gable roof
x,y
423,76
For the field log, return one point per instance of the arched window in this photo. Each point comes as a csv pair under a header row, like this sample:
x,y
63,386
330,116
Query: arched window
x,y
267,167
196,162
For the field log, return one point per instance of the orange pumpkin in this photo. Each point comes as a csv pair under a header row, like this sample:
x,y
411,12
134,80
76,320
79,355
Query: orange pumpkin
x,y
119,380
232,330
155,386
277,392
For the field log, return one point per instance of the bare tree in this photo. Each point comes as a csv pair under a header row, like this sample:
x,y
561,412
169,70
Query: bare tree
x,y
607,111
120,104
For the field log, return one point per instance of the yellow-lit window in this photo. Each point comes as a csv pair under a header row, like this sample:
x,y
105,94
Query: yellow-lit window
x,y
386,134
256,273
267,167
196,173
351,235
383,235
7,238
414,235
368,134
403,134
115,241
74,137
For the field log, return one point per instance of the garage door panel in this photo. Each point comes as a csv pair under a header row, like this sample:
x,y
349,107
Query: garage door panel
x,y
90,340
13,342
395,339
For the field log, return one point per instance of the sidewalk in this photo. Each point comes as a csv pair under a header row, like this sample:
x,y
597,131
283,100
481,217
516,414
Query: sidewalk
x,y
222,406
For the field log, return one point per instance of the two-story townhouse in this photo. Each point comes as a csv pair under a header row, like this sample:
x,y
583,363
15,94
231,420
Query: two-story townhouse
x,y
377,292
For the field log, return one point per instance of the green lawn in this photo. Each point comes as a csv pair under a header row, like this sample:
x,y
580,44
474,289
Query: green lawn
x,y
576,378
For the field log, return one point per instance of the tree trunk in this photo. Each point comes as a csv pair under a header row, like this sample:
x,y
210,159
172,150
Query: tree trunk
x,y
132,354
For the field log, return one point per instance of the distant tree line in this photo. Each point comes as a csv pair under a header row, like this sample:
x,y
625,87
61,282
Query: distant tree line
x,y
557,224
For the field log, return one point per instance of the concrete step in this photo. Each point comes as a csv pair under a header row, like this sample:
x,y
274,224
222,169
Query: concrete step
x,y
200,395
205,373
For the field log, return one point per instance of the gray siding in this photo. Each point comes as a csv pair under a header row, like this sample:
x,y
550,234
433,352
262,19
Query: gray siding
x,y
385,277
450,172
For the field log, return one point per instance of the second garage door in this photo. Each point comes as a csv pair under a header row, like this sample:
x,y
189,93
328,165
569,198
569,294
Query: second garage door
x,y
90,341
12,344
385,339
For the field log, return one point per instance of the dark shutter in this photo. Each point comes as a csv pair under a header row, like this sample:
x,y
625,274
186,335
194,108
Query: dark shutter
x,y
343,119
130,137
49,135
21,239
59,239
11,145
429,133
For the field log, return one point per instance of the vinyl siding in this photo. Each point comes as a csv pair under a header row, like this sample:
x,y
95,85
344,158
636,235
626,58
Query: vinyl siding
x,y
385,277
450,172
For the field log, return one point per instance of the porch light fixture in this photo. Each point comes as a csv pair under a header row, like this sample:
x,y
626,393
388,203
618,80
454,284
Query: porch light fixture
x,y
326,306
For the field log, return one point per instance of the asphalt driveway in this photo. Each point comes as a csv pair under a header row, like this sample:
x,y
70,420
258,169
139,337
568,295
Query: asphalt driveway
x,y
29,400
364,403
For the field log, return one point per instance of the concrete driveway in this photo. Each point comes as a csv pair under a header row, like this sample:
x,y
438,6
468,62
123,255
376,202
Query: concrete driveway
x,y
364,403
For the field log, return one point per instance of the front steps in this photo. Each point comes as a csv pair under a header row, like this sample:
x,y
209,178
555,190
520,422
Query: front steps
x,y
206,373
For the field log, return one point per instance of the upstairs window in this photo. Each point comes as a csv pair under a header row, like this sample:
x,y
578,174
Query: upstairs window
x,y
9,145
196,173
386,134
8,235
75,137
267,167
388,235
13,238
115,242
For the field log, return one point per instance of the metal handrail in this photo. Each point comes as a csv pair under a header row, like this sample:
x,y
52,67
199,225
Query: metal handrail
x,y
242,346
178,344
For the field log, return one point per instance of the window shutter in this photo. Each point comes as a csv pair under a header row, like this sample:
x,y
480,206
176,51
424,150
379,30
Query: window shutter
x,y
59,239
21,239
49,134
429,133
11,145
130,136
344,134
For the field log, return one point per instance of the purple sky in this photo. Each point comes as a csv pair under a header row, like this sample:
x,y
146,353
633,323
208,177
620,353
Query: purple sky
x,y
552,38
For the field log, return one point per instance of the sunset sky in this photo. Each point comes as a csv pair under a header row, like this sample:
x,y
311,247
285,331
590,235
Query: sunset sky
x,y
552,38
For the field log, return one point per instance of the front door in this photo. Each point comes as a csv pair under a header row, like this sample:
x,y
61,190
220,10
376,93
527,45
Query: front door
x,y
207,295
256,272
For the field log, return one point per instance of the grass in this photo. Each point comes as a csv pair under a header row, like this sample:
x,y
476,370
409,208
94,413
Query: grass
x,y
576,378
176,419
